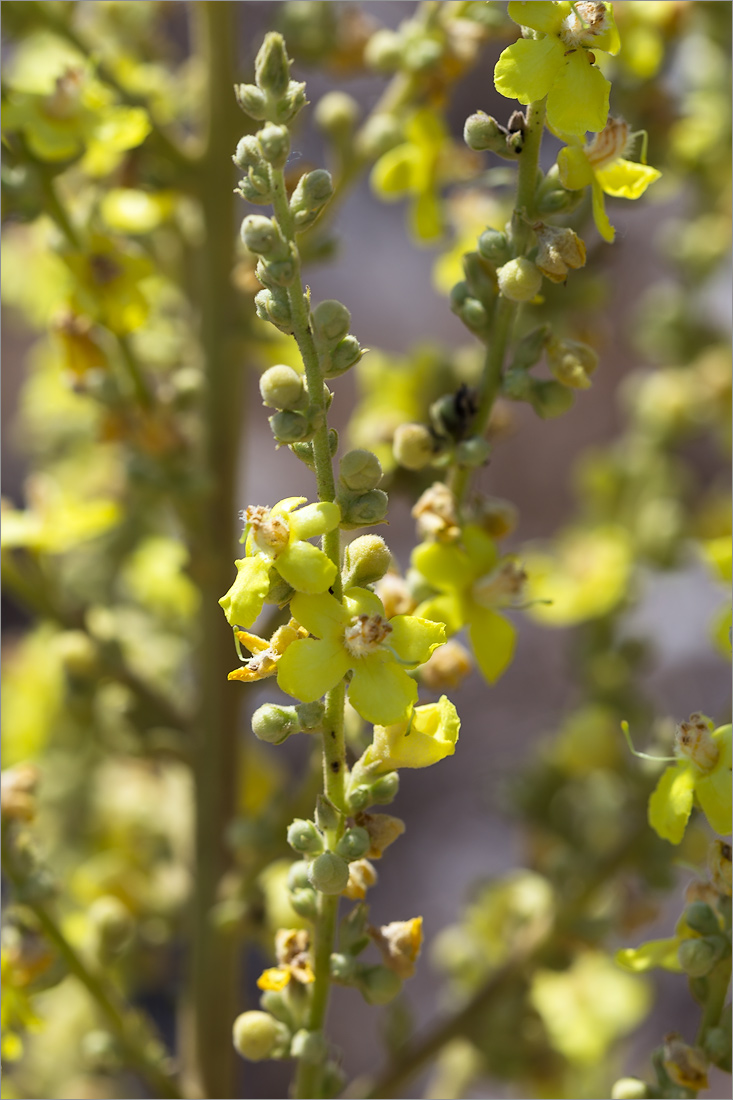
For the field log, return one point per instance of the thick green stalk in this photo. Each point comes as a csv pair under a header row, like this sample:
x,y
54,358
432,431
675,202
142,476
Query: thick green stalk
x,y
718,982
506,311
213,995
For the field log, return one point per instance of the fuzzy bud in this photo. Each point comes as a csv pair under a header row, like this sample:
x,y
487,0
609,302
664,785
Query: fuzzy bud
x,y
493,245
305,902
304,837
336,114
277,1004
629,1088
309,1046
360,470
274,142
378,135
274,724
473,452
571,362
112,923
255,189
291,427
473,315
276,273
291,103
378,985
480,277
413,446
718,1042
274,307
248,153
256,1035
328,873
379,793
310,716
701,919
363,509
252,100
482,133
345,355
354,844
343,968
330,320
383,51
282,388
519,280
261,235
697,957
298,875
272,67
366,560
550,399
560,250
311,194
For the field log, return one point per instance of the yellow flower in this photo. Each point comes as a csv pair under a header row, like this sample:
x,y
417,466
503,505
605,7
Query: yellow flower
x,y
265,654
429,736
107,283
292,946
601,165
558,63
703,771
362,876
583,577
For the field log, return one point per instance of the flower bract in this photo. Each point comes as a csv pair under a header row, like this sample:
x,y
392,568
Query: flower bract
x,y
355,636
557,63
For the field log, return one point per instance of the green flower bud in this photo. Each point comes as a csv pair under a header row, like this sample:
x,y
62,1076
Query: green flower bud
x,y
272,67
378,135
311,194
550,399
354,844
112,923
483,134
305,903
248,153
473,452
328,873
252,100
378,985
697,957
261,235
274,724
303,836
292,102
304,451
309,1046
629,1088
518,385
421,53
571,362
257,1035
519,280
344,356
277,1004
473,315
380,793
493,245
336,114
282,388
366,560
343,968
330,321
251,188
414,446
701,918
327,815
383,51
552,197
298,875
717,1042
291,427
530,348
363,509
274,141
360,470
276,273
310,716
480,277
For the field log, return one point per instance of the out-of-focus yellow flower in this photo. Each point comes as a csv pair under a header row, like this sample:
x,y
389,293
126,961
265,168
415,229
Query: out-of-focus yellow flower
x,y
107,283
585,575
400,943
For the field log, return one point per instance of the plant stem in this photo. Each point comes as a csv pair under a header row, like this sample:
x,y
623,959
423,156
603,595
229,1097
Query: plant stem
x,y
126,1024
212,1001
506,310
718,983
139,385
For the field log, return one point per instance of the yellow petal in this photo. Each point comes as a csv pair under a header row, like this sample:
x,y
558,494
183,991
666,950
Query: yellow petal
x,y
623,179
309,668
275,978
527,70
578,98
670,804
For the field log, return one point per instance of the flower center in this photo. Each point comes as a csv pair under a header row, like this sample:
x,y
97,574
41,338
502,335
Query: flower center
x,y
502,587
694,741
103,269
365,634
271,533
66,97
610,144
584,23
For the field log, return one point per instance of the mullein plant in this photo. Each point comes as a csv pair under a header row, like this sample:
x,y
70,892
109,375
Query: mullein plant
x,y
458,577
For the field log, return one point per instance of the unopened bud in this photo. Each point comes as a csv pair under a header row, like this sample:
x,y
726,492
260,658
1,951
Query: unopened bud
x,y
248,153
379,793
550,399
336,113
720,866
112,923
354,844
274,724
482,133
378,984
310,716
282,388
305,903
530,348
291,427
255,189
718,1042
480,277
366,560
413,446
571,362
473,315
560,250
256,1035
379,134
383,51
274,141
278,1005
328,873
343,968
298,875
261,235
279,592
697,957
303,836
360,470
274,307
363,509
473,452
345,355
331,320
291,103
702,919
311,194
252,100
519,280
493,245
629,1088
272,67
308,1046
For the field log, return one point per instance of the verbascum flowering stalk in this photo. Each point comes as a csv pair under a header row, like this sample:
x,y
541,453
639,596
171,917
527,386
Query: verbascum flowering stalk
x,y
339,640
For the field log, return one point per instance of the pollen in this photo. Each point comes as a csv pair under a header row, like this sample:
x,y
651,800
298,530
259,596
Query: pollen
x,y
583,24
365,634
694,741
271,533
610,144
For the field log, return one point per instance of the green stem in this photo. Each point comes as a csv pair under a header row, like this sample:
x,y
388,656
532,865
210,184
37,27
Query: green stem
x,y
307,1077
213,994
140,386
55,209
718,983
121,1019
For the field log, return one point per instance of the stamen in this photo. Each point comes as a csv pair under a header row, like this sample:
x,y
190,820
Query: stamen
x,y
271,533
365,634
